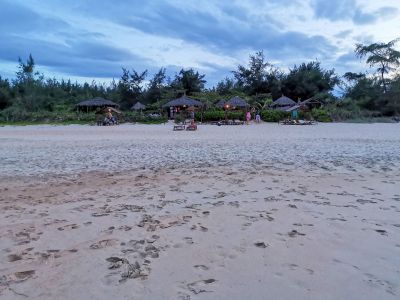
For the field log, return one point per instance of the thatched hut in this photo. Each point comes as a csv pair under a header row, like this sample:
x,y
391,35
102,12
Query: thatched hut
x,y
181,104
304,106
310,104
138,106
220,103
233,103
237,102
96,103
183,101
283,103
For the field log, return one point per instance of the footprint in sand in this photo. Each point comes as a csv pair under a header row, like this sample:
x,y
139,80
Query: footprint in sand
x,y
104,244
200,286
203,228
18,277
292,267
188,240
201,267
295,233
381,231
14,257
261,245
68,227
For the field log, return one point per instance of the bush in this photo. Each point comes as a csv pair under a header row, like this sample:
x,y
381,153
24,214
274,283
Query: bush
x,y
218,115
14,114
210,115
137,117
273,115
236,115
321,115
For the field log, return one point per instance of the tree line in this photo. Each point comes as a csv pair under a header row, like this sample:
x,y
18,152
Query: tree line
x,y
260,82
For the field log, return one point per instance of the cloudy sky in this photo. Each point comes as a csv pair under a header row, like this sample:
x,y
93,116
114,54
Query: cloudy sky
x,y
93,39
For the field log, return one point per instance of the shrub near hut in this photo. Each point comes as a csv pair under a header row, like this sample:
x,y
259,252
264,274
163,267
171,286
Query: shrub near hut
x,y
210,115
13,115
321,115
136,117
218,115
273,115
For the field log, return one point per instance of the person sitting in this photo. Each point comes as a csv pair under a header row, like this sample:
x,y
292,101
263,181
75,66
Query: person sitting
x,y
109,119
192,126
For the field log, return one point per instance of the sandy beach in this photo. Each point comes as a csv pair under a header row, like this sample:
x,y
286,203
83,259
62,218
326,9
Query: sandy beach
x,y
232,212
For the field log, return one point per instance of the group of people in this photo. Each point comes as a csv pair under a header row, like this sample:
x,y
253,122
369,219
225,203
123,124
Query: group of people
x,y
109,119
257,117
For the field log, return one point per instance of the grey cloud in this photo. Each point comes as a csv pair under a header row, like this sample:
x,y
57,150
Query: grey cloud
x,y
79,58
344,34
338,10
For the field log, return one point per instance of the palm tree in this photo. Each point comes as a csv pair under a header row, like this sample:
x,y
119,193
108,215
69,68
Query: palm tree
x,y
382,55
263,104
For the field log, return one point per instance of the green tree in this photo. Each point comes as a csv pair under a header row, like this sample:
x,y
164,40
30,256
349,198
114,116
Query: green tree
x,y
253,77
5,93
389,102
26,70
363,90
130,86
189,80
225,86
380,55
136,82
259,77
262,101
156,87
307,80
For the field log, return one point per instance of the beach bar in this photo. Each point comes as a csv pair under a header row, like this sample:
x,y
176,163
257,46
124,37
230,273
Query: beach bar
x,y
181,104
93,104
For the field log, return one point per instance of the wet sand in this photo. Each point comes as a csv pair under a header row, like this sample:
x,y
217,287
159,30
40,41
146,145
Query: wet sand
x,y
258,212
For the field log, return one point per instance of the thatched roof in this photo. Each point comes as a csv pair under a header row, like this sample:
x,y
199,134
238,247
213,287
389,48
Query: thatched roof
x,y
220,103
97,102
233,102
292,108
284,108
183,101
138,106
311,101
283,101
237,102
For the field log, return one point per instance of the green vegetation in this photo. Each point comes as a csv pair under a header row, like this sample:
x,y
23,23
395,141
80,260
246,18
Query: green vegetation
x,y
321,115
136,117
273,115
218,115
32,98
